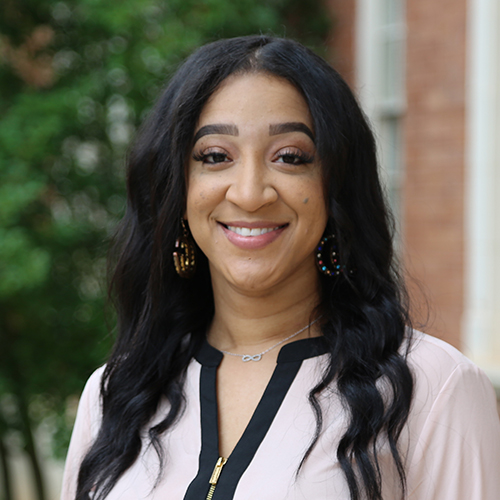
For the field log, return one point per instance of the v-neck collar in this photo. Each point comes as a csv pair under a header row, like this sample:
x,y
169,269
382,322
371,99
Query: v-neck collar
x,y
288,364
298,350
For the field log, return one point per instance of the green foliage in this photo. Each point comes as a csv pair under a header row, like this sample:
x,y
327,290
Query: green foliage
x,y
76,79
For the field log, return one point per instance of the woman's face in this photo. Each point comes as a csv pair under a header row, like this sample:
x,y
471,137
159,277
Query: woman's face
x,y
255,199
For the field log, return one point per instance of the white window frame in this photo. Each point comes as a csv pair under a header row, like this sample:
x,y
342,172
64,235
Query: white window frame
x,y
481,320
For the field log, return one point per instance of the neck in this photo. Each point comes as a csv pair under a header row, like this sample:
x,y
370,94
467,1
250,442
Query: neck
x,y
252,322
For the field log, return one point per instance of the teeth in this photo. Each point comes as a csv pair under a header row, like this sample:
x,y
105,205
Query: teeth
x,y
246,231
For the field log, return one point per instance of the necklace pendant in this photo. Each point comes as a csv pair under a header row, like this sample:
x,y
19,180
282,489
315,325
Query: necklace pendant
x,y
249,357
257,357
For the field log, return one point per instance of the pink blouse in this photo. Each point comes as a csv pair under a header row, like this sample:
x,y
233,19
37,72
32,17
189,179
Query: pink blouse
x,y
451,441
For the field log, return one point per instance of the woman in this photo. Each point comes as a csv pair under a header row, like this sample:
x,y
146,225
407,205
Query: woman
x,y
271,357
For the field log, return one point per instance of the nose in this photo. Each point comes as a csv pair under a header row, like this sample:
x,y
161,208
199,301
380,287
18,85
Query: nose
x,y
251,187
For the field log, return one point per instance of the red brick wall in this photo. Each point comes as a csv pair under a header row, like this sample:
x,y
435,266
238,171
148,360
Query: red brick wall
x,y
434,126
433,195
342,40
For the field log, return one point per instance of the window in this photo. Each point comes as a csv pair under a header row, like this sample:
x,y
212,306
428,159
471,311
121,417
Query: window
x,y
380,43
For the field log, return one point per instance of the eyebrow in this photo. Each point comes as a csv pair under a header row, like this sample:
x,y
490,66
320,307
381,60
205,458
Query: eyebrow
x,y
275,129
218,128
284,128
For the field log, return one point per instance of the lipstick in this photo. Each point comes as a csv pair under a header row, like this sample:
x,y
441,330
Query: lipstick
x,y
252,235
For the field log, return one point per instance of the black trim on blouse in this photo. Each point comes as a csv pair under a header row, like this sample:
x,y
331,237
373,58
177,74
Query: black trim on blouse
x,y
288,364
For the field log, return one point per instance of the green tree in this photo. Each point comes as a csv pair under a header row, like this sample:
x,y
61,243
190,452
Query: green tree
x,y
76,78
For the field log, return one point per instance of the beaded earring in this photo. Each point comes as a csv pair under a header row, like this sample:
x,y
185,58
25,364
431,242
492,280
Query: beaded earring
x,y
185,254
327,257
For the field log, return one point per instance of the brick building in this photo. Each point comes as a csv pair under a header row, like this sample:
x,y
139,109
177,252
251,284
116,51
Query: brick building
x,y
427,74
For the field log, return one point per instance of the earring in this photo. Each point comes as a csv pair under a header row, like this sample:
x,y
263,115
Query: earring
x,y
327,257
185,254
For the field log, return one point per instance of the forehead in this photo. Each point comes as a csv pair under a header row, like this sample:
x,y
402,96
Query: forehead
x,y
255,98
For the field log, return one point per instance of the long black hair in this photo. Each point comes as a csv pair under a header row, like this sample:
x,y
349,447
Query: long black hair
x,y
162,317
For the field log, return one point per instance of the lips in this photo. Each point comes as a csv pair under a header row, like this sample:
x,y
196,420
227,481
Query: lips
x,y
252,235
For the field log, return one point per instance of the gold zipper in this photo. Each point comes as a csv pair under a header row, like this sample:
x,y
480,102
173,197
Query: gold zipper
x,y
215,476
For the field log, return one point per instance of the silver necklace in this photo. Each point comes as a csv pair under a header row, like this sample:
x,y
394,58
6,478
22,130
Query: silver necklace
x,y
257,357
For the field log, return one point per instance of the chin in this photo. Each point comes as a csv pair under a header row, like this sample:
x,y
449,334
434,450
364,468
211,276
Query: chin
x,y
259,282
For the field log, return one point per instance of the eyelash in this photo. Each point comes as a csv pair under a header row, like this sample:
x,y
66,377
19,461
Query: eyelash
x,y
298,158
204,156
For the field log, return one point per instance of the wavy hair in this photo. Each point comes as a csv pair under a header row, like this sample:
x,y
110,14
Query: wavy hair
x,y
162,317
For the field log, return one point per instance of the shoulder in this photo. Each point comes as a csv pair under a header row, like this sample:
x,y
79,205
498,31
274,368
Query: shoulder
x,y
93,384
454,430
436,364
87,423
90,407
443,373
92,389
424,348
454,402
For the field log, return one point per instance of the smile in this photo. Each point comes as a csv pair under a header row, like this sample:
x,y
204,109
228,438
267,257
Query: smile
x,y
252,238
255,231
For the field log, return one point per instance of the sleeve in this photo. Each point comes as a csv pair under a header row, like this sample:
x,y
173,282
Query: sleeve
x,y
86,426
457,454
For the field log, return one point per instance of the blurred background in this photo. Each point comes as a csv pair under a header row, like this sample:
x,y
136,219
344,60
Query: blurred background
x,y
77,78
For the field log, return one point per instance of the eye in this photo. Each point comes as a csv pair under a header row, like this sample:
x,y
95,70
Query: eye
x,y
211,157
294,156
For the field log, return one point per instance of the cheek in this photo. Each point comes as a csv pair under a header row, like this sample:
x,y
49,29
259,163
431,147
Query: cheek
x,y
194,204
197,199
311,199
196,193
203,196
313,207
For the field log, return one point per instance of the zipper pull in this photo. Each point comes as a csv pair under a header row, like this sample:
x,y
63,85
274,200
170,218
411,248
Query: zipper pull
x,y
215,476
217,470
